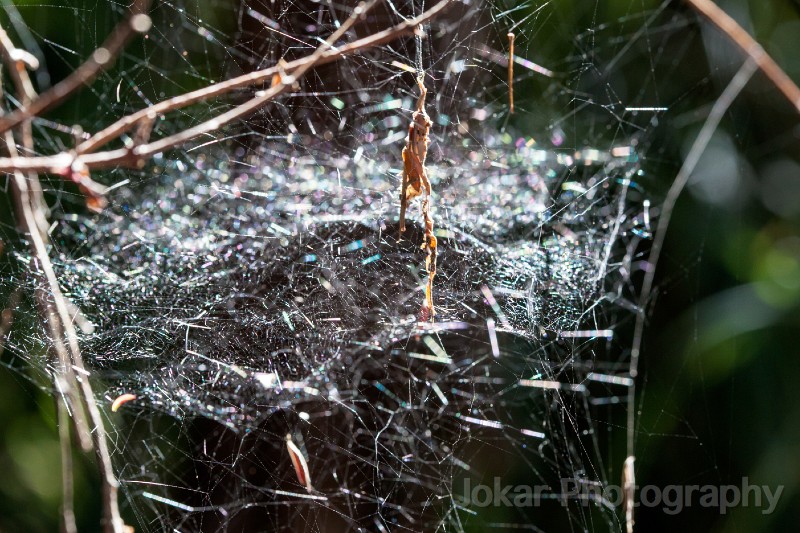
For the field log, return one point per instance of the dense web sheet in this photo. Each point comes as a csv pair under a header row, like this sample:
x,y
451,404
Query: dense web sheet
x,y
304,319
253,286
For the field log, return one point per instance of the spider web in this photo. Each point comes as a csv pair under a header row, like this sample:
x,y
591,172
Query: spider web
x,y
254,285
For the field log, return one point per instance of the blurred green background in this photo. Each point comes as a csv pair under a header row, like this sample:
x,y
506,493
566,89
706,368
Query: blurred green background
x,y
717,392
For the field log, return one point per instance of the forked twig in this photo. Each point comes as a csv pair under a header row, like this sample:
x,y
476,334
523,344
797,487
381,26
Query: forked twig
x,y
62,163
259,77
55,313
55,310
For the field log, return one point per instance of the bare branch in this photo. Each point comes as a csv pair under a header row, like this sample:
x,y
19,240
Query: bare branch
x,y
259,77
64,164
29,199
55,313
101,59
17,68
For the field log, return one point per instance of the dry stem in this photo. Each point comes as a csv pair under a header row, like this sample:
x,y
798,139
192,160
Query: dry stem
x,y
415,182
699,146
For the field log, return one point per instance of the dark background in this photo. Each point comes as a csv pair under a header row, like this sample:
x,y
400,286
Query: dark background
x,y
717,393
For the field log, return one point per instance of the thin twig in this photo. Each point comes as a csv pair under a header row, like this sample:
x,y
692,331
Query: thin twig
x,y
749,46
757,58
32,193
286,81
65,378
17,68
511,73
55,313
101,59
259,77
24,201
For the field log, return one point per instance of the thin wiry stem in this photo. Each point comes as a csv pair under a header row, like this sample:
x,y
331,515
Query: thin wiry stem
x,y
19,75
55,313
511,73
30,208
757,59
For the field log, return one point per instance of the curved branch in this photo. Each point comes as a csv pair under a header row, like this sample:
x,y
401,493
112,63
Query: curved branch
x,y
749,46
